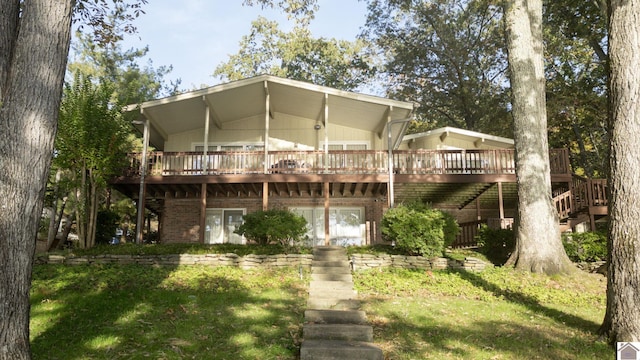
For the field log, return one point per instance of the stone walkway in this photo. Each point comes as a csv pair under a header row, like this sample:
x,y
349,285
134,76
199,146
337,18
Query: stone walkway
x,y
334,326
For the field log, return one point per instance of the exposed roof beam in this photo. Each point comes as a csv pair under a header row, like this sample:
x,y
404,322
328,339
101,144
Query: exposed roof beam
x,y
148,116
213,115
268,98
382,124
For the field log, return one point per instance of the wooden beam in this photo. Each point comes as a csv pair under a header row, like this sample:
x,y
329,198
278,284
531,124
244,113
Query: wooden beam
x,y
203,212
265,196
327,235
501,202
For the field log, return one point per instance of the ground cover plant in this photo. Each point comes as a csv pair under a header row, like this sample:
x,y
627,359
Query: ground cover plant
x,y
497,314
146,312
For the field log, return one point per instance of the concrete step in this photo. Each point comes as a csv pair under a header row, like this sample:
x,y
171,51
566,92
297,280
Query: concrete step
x,y
357,317
330,270
331,303
331,263
332,277
331,284
338,350
346,332
333,293
334,255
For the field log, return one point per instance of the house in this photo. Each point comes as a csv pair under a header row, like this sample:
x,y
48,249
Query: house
x,y
338,158
627,351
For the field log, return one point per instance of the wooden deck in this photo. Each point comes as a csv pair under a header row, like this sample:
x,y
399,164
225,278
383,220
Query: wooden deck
x,y
405,162
439,173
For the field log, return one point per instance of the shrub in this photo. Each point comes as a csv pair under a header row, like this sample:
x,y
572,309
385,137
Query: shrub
x,y
586,246
273,226
106,225
496,244
417,229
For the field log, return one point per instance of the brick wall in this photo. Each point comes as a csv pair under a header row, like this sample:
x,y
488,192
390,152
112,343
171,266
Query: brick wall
x,y
181,217
181,221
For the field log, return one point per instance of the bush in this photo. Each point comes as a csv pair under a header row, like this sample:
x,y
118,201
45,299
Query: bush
x,y
417,229
587,246
496,244
273,226
106,226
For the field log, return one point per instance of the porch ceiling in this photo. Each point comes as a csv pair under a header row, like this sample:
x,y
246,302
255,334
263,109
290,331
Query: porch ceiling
x,y
247,98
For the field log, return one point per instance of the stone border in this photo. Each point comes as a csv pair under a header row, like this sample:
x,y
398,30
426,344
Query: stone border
x,y
368,261
358,261
245,262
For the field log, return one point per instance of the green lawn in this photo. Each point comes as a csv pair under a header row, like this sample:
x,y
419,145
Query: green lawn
x,y
196,312
144,312
497,314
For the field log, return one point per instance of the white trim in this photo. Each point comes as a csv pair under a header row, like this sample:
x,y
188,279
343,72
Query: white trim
x,y
344,144
220,144
273,79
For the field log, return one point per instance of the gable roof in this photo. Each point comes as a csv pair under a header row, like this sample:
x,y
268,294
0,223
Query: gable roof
x,y
249,97
466,135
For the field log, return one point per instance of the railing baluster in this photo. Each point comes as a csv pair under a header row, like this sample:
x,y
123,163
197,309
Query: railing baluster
x,y
498,161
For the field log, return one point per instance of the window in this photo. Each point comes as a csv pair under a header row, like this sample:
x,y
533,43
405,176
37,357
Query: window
x,y
346,225
220,225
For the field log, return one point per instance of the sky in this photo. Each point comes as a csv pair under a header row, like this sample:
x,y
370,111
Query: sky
x,y
194,36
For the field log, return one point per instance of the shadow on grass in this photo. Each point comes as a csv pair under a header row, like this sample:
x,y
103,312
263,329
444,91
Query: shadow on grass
x,y
530,303
429,338
516,327
141,312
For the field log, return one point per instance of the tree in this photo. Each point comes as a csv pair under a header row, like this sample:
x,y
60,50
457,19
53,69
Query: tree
x,y
34,44
91,142
299,56
448,56
133,83
576,71
622,317
538,243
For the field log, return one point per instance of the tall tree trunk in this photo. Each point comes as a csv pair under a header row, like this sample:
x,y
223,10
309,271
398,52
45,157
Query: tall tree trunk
x,y
622,318
34,43
538,243
93,213
59,217
53,230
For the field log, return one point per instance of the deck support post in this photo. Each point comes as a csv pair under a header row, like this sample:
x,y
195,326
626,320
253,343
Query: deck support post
x,y
203,213
501,205
267,112
390,147
327,235
205,158
265,196
143,171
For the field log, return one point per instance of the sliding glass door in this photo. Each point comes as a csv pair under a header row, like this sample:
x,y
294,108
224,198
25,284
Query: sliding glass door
x,y
220,225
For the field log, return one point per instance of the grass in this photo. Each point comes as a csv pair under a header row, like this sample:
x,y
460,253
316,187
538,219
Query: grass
x,y
144,312
192,312
496,314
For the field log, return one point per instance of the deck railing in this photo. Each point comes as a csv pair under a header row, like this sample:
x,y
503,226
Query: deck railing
x,y
337,162
588,193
